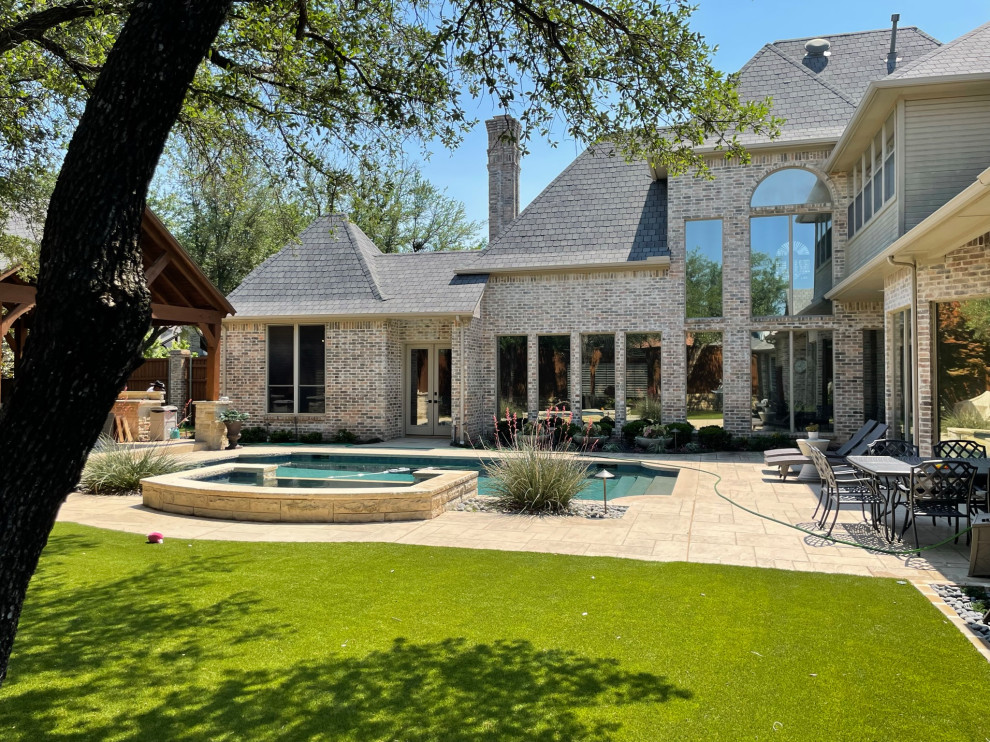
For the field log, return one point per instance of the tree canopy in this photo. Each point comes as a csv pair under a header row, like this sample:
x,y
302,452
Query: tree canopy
x,y
322,84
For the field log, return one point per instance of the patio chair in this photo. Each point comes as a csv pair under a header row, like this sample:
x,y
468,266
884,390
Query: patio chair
x,y
840,487
959,450
892,447
939,489
843,450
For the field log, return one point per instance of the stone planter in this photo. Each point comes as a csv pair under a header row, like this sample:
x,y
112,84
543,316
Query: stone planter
x,y
812,435
233,434
590,441
650,444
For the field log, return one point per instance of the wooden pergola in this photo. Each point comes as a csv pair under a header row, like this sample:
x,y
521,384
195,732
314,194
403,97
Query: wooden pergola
x,y
181,294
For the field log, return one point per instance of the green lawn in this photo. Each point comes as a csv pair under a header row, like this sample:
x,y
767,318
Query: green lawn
x,y
227,641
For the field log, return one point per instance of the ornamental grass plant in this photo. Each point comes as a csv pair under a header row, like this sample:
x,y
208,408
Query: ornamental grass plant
x,y
115,469
538,475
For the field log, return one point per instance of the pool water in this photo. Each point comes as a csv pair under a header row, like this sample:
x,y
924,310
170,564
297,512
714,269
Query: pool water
x,y
318,470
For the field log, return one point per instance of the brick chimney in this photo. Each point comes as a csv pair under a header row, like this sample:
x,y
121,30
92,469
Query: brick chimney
x,y
503,173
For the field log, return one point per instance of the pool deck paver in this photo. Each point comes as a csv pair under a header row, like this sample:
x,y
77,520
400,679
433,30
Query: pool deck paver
x,y
693,524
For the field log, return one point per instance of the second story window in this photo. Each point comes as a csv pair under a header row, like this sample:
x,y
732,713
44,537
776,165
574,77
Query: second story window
x,y
872,178
703,267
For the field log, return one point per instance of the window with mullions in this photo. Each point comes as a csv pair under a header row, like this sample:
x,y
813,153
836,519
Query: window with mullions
x,y
296,369
785,252
792,380
872,178
513,385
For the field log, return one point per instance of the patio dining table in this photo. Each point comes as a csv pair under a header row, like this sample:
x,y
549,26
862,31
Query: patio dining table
x,y
886,472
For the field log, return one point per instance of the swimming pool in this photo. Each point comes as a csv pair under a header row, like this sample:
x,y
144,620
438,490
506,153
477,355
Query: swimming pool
x,y
317,470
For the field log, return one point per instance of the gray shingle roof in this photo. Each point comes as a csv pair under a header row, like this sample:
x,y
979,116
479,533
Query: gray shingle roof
x,y
335,269
969,54
601,209
817,95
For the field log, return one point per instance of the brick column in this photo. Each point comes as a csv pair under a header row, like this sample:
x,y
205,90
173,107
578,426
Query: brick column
x,y
620,381
574,382
673,395
178,377
532,376
737,383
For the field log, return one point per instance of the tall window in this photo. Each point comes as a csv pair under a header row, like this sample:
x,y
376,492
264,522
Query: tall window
x,y
296,369
704,378
598,374
643,377
792,380
703,267
902,364
512,375
553,370
872,178
962,354
790,254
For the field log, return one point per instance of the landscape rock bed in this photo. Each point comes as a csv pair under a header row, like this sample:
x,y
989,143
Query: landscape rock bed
x,y
580,508
958,600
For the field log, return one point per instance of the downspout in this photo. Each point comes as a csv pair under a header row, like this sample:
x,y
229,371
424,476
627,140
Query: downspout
x,y
915,408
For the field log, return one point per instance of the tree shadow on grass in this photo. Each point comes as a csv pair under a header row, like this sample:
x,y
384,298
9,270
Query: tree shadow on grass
x,y
453,690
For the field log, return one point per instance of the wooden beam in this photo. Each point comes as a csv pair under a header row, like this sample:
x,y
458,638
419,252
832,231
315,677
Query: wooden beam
x,y
155,269
185,315
8,320
212,335
209,332
12,293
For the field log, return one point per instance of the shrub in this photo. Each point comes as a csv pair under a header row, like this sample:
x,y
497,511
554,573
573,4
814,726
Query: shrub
x,y
535,478
281,436
113,469
692,447
253,435
607,424
612,447
680,432
345,436
315,437
766,442
715,438
631,429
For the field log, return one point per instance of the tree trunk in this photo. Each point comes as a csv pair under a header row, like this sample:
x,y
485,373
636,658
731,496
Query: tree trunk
x,y
93,305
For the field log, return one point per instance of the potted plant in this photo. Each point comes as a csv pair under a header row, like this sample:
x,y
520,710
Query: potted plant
x,y
534,433
812,431
233,420
653,438
592,436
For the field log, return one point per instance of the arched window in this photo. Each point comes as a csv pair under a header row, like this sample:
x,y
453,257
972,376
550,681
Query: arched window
x,y
790,244
791,187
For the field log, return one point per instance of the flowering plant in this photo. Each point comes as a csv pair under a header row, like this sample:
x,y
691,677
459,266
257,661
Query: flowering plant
x,y
654,431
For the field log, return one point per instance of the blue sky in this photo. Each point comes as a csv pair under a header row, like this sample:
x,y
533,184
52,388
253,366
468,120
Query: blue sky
x,y
739,28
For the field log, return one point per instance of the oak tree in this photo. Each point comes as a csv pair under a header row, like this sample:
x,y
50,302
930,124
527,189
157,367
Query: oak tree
x,y
290,75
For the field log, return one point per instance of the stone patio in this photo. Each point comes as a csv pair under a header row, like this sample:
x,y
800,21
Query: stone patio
x,y
694,524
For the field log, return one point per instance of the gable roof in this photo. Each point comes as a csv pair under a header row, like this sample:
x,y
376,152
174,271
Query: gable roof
x,y
967,55
601,209
335,269
817,95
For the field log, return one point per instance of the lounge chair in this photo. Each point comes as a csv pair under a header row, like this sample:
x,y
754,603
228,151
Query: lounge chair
x,y
843,451
785,461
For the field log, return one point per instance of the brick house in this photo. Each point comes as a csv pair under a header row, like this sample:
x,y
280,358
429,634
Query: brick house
x,y
763,299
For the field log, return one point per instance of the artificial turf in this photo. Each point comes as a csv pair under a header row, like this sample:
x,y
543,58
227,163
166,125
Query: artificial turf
x,y
201,640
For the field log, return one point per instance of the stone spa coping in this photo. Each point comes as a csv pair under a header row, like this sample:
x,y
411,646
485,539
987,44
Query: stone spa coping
x,y
186,493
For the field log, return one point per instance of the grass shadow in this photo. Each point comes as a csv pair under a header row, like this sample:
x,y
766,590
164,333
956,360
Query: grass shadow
x,y
453,690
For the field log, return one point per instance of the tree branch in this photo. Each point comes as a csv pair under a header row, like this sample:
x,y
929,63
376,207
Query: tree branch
x,y
34,26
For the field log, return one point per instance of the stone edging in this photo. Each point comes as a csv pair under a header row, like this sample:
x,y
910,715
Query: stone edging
x,y
950,613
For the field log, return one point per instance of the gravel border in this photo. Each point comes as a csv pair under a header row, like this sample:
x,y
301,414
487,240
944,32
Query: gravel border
x,y
963,605
579,508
